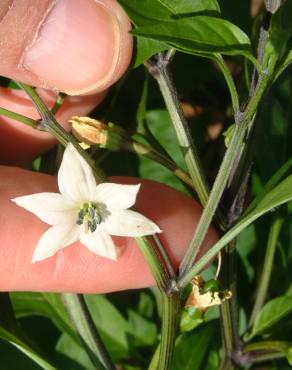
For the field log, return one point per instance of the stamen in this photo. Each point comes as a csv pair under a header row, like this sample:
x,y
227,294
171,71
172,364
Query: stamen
x,y
89,216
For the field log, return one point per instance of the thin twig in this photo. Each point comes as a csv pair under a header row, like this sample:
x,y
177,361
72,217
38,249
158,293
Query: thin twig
x,y
265,276
159,70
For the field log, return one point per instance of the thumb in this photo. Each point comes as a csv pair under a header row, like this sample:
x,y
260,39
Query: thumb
x,y
75,46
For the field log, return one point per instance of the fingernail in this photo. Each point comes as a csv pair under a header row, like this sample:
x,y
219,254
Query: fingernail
x,y
76,49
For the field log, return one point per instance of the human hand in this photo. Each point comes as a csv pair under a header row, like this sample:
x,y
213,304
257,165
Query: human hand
x,y
102,53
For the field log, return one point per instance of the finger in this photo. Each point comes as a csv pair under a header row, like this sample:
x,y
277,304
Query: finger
x,y
76,46
75,269
19,143
80,47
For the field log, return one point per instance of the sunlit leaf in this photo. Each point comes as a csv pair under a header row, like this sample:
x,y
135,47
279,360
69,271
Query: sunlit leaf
x,y
143,332
191,317
198,34
272,312
191,349
191,6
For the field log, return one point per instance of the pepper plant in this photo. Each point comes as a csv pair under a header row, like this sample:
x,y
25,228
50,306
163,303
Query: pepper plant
x,y
213,121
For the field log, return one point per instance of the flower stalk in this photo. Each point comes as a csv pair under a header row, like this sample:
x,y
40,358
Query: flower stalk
x,y
114,138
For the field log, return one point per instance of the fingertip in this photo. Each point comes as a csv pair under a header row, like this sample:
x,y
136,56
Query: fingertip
x,y
80,54
78,47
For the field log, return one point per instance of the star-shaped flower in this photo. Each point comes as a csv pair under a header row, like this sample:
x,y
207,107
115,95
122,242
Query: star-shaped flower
x,y
85,211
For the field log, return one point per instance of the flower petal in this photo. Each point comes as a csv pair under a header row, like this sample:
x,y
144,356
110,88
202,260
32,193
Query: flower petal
x,y
100,243
130,223
51,208
54,239
75,177
116,196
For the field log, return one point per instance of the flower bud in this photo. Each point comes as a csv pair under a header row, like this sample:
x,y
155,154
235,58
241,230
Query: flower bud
x,y
92,132
89,130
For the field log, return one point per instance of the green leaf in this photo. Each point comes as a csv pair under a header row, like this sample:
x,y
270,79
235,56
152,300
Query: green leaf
x,y
13,359
146,305
146,48
191,317
271,313
289,356
144,332
112,326
191,6
146,11
23,347
280,31
46,304
71,349
142,13
161,128
198,34
282,21
113,329
274,180
191,349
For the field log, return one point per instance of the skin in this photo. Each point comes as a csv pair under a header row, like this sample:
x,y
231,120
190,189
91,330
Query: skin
x,y
74,269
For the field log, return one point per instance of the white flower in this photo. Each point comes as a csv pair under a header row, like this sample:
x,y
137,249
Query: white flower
x,y
85,211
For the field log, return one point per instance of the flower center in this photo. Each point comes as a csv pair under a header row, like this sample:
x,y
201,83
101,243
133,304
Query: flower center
x,y
90,216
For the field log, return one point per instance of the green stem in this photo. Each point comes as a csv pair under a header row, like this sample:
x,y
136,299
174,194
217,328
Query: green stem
x,y
267,267
170,302
227,364
141,149
58,103
160,72
228,309
165,258
170,311
155,359
222,177
268,346
264,351
230,83
157,265
18,117
86,329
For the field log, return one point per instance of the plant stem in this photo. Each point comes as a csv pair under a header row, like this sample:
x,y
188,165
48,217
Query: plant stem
x,y
159,71
170,301
18,117
155,262
86,329
223,176
264,351
270,345
230,83
141,149
228,309
267,267
58,103
170,311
